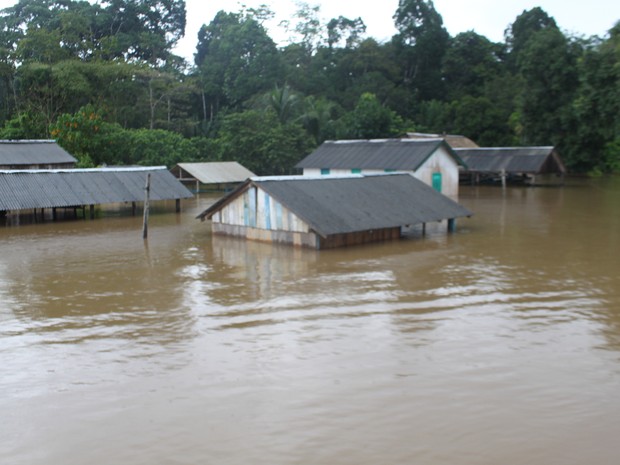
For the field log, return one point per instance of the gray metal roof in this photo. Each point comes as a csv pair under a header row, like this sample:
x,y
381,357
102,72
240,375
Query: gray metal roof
x,y
453,140
333,205
67,188
217,172
536,160
33,152
389,154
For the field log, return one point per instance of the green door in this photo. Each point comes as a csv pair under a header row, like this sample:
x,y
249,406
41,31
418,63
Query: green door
x,y
437,181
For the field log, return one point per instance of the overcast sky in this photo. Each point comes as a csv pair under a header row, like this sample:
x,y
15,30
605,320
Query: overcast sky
x,y
487,17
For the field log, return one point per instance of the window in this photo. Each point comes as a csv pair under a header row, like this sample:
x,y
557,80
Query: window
x,y
325,171
356,171
389,170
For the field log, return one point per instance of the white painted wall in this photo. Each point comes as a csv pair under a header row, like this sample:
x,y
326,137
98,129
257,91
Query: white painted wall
x,y
438,162
441,162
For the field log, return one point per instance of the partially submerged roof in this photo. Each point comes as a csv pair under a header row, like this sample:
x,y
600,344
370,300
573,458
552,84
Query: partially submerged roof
x,y
217,172
336,205
67,188
453,140
534,160
33,152
389,154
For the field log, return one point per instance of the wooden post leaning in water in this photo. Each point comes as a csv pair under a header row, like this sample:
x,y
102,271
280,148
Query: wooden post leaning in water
x,y
145,220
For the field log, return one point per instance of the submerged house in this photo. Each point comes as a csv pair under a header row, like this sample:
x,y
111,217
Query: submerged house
x,y
214,175
34,155
529,165
330,211
430,160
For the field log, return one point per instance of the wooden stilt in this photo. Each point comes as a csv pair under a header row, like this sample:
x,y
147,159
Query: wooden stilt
x,y
178,205
92,212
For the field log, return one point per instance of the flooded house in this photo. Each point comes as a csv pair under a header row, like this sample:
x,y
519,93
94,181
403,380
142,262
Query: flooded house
x,y
34,155
38,190
211,175
432,161
526,165
330,211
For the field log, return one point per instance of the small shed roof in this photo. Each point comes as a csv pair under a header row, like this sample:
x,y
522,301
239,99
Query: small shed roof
x,y
217,172
33,152
534,160
453,140
394,154
344,204
67,188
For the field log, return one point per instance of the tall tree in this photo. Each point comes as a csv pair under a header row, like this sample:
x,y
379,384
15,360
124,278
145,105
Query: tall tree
x,y
470,62
528,23
547,65
596,142
422,41
236,60
349,30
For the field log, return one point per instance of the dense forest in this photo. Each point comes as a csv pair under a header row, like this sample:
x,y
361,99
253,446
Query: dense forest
x,y
102,79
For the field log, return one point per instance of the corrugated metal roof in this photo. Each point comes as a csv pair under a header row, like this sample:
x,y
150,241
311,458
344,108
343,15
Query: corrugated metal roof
x,y
217,172
33,152
66,188
389,154
512,160
333,205
453,140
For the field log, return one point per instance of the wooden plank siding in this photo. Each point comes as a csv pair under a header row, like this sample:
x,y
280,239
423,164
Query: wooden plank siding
x,y
359,238
255,209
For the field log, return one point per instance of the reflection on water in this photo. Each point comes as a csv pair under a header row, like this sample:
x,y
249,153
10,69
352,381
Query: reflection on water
x,y
499,344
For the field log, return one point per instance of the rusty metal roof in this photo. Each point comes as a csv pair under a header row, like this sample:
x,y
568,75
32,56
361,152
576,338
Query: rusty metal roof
x,y
33,152
343,204
534,160
67,188
385,154
217,172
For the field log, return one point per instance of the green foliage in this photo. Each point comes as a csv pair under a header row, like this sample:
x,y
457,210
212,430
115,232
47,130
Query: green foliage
x,y
371,120
236,60
54,30
470,62
24,125
422,42
259,142
83,134
612,156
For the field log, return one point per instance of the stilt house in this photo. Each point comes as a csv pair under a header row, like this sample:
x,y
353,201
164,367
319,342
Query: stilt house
x,y
529,165
213,175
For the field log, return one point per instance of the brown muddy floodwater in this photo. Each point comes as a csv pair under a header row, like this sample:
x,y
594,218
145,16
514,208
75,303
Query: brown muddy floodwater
x,y
499,344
